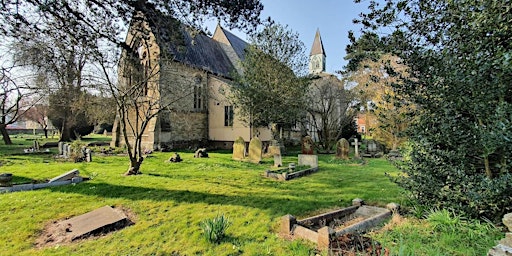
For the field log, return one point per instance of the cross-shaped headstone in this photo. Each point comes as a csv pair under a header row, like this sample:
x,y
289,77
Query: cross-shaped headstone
x,y
356,144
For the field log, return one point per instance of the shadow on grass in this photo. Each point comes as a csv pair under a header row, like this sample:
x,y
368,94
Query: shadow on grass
x,y
276,205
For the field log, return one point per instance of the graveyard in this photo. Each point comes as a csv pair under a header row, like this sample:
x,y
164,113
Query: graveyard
x,y
164,206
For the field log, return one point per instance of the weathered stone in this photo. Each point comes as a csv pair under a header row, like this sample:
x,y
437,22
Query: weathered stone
x,y
36,145
239,149
255,150
61,148
393,207
88,155
287,223
358,202
311,160
324,237
308,146
507,220
342,149
66,176
278,161
356,145
175,158
201,153
81,225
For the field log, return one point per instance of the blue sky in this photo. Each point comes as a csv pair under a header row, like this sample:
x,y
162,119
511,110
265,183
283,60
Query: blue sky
x,y
332,17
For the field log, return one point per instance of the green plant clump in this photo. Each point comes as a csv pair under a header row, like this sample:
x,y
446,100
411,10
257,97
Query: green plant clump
x,y
214,230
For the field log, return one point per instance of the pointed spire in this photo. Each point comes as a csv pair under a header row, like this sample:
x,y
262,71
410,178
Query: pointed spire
x,y
318,47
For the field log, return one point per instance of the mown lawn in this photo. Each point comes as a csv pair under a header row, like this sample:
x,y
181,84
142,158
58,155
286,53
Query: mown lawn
x,y
169,200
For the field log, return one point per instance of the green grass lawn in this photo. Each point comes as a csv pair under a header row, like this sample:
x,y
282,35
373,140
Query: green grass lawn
x,y
169,200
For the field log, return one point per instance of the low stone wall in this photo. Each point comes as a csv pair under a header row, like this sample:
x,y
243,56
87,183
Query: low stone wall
x,y
504,248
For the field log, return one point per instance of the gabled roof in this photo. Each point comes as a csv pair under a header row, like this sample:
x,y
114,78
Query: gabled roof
x,y
318,47
238,44
202,52
189,46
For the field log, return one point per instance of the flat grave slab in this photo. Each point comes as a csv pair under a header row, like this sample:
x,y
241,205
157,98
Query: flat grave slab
x,y
81,225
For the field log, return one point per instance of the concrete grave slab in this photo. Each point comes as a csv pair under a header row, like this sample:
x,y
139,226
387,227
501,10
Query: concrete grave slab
x,y
66,176
81,225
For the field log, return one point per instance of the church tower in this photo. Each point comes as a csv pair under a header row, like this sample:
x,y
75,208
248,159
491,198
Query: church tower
x,y
317,55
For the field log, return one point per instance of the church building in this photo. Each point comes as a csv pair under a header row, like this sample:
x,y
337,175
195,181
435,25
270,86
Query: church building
x,y
187,74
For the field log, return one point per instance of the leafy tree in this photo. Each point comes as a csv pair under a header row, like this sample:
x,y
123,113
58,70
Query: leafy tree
x,y
268,92
387,114
459,59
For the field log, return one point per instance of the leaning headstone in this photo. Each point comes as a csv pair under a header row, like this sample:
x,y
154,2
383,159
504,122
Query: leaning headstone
x,y
307,145
61,148
239,149
356,144
342,149
255,150
66,176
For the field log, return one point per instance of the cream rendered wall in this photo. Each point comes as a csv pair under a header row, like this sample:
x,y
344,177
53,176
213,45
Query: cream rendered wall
x,y
218,90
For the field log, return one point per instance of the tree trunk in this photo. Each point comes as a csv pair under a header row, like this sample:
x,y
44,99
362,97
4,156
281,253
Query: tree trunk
x,y
65,133
45,132
134,167
5,135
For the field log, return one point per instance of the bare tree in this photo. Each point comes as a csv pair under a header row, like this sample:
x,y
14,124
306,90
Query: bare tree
x,y
329,109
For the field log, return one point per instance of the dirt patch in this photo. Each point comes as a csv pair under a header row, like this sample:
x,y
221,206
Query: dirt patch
x,y
56,232
350,244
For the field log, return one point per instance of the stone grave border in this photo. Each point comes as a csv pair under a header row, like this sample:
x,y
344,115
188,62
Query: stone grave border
x,y
71,177
325,236
283,175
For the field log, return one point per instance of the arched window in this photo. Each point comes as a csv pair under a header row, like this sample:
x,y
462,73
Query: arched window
x,y
198,93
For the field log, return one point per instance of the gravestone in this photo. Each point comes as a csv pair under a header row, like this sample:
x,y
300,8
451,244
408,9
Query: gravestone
x,y
372,149
239,149
278,161
255,150
307,145
311,160
274,148
65,150
61,148
175,158
66,176
88,155
201,153
81,225
342,149
356,144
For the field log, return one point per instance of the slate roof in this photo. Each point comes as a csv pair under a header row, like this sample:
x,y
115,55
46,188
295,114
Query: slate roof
x,y
318,47
238,44
193,47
